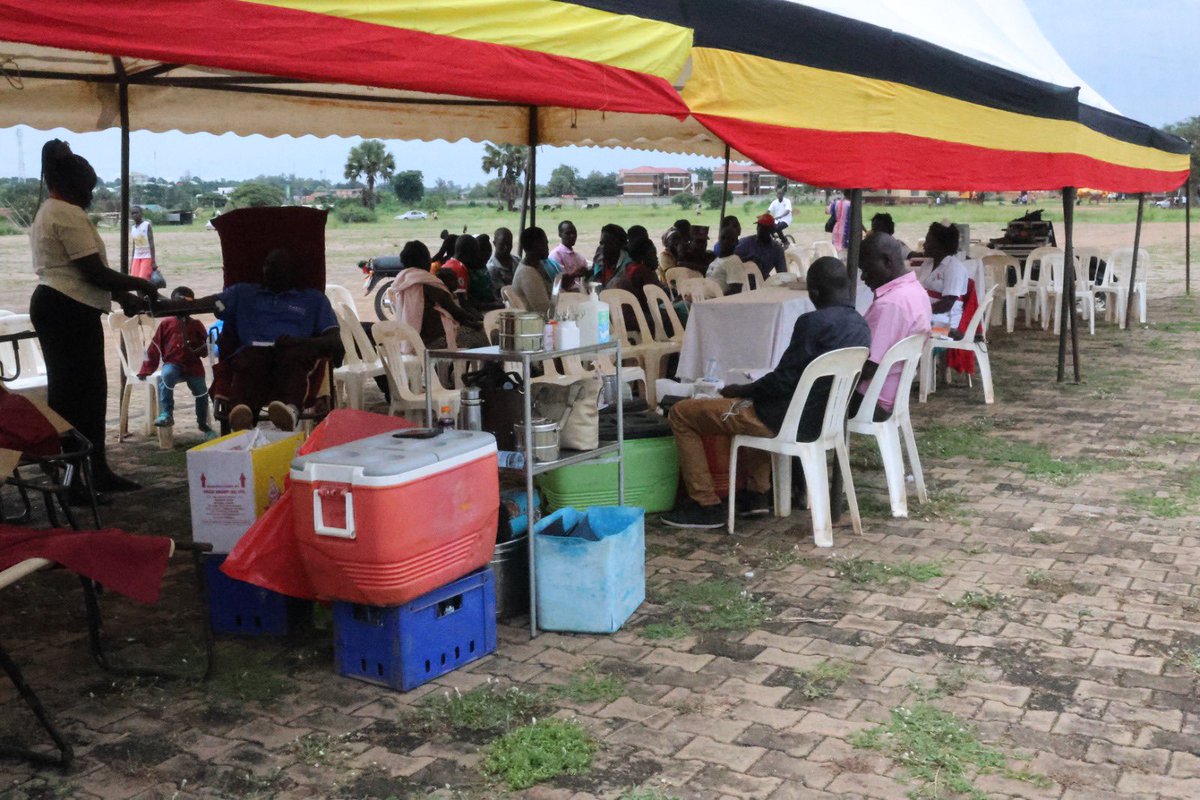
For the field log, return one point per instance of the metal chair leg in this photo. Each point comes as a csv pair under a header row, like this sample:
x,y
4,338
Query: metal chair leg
x,y
65,753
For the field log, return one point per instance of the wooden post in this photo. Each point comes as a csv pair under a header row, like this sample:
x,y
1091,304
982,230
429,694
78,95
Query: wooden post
x,y
855,245
1137,243
724,192
531,174
1066,312
1187,236
123,101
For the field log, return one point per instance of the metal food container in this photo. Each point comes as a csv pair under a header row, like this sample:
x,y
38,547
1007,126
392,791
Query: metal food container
x,y
520,331
545,438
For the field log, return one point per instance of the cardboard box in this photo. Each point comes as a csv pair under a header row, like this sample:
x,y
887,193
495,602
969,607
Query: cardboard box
x,y
232,480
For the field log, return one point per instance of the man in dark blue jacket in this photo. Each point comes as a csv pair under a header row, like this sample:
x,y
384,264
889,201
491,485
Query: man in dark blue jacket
x,y
758,408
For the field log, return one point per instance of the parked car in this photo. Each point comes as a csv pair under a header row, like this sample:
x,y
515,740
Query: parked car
x,y
413,215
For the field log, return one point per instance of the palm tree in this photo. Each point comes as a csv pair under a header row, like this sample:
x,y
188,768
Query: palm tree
x,y
372,161
508,162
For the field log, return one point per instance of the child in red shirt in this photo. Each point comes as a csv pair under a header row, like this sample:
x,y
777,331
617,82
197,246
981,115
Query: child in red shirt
x,y
180,342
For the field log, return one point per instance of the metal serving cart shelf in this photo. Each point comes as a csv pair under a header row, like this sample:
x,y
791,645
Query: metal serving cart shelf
x,y
530,468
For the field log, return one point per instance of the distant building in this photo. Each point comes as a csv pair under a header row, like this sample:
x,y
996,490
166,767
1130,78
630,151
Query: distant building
x,y
896,197
747,179
657,182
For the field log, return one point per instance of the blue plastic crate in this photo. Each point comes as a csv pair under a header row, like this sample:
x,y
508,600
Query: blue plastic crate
x,y
242,608
406,646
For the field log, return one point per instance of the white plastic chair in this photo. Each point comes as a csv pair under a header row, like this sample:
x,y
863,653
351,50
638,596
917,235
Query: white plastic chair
x,y
842,367
1037,286
647,352
997,268
675,275
905,355
1054,289
32,380
361,362
135,333
512,298
784,279
406,371
797,260
820,250
754,276
696,289
975,327
340,295
1116,283
666,316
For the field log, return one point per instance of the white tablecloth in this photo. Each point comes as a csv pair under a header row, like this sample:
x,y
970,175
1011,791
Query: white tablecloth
x,y
749,330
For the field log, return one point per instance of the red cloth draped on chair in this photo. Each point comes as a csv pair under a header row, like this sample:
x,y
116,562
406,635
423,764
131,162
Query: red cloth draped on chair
x,y
963,361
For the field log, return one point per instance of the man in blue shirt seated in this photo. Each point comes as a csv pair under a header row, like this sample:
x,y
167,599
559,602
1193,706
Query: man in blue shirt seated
x,y
762,248
281,332
758,408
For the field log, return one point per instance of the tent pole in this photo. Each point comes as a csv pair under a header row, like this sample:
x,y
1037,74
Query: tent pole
x,y
123,100
531,176
1066,314
855,244
1137,243
1187,236
724,192
524,206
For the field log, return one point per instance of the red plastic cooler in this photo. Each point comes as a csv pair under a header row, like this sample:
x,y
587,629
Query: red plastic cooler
x,y
383,520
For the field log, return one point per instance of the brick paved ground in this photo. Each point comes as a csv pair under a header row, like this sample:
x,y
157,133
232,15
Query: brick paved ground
x,y
1079,650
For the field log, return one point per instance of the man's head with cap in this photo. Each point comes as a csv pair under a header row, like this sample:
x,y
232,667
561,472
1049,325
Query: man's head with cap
x,y
766,227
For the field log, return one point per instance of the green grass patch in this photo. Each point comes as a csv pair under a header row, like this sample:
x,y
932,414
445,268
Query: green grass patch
x,y
778,557
1045,581
864,571
980,601
943,504
1046,537
975,440
538,752
939,752
1182,493
484,708
244,675
1158,343
315,749
713,605
824,679
646,794
1179,326
589,685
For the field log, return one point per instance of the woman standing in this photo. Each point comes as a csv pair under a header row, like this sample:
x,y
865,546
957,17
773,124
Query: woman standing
x,y
76,286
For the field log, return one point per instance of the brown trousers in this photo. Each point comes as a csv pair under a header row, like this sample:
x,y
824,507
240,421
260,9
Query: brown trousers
x,y
692,419
263,374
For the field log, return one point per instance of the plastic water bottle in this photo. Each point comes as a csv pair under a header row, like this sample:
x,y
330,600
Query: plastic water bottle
x,y
593,318
446,419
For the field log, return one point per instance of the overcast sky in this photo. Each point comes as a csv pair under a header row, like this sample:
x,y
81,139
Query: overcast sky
x,y
1141,56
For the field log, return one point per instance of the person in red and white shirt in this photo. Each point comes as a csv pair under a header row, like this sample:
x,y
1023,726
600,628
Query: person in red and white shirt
x,y
948,281
179,343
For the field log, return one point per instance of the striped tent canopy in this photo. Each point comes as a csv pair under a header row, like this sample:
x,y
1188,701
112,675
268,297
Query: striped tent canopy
x,y
940,94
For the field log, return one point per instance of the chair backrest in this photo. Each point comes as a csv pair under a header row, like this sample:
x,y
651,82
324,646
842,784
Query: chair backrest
x,y
512,298
1035,259
665,317
356,343
405,371
981,315
676,275
340,294
248,235
619,301
1120,265
1052,270
997,269
135,334
821,249
28,350
754,276
978,250
904,355
783,279
491,325
1087,262
700,289
796,259
842,367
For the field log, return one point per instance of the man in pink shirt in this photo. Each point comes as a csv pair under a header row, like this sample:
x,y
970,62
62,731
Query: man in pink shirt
x,y
900,309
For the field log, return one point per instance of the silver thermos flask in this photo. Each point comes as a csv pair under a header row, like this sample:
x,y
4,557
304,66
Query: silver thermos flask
x,y
472,416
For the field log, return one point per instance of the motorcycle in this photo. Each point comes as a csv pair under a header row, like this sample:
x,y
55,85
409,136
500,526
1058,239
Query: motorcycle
x,y
380,271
